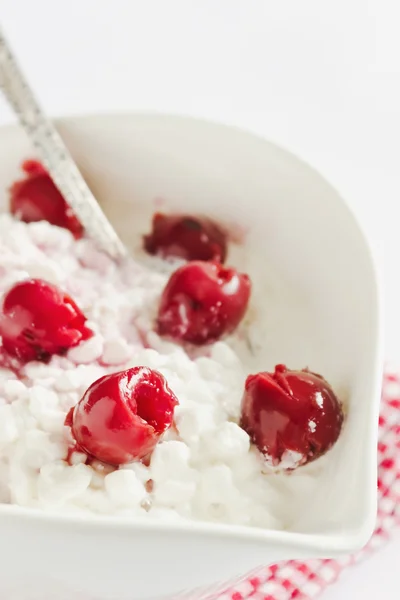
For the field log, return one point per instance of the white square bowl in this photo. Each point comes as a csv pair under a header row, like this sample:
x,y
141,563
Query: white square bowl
x,y
316,286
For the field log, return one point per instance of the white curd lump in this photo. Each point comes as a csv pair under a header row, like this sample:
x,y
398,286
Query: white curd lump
x,y
205,469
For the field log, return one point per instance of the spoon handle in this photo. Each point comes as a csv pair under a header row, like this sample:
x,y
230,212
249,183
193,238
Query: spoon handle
x,y
55,156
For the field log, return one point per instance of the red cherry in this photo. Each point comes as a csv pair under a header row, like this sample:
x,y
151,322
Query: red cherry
x,y
122,416
291,411
38,319
36,198
187,237
202,302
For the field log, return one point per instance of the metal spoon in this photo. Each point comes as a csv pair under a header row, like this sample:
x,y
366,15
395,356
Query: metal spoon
x,y
55,156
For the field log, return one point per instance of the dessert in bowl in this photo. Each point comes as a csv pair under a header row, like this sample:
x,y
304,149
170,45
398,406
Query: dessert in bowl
x,y
219,457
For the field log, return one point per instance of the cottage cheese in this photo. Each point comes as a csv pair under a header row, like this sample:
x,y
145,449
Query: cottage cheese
x,y
205,469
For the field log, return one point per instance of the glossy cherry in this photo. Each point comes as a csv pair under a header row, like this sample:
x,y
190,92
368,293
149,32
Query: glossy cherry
x,y
295,411
121,416
188,237
36,198
202,302
37,320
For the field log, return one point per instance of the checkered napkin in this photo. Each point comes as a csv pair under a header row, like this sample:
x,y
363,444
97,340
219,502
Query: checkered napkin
x,y
296,580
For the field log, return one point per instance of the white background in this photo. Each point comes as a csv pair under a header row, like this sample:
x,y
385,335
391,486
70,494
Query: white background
x,y
321,77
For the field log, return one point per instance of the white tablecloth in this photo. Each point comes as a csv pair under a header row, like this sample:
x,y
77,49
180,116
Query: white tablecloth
x,y
321,77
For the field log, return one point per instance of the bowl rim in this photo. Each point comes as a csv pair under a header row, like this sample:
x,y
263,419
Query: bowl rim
x,y
319,544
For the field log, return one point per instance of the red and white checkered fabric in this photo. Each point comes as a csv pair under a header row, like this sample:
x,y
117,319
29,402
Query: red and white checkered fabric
x,y
296,580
